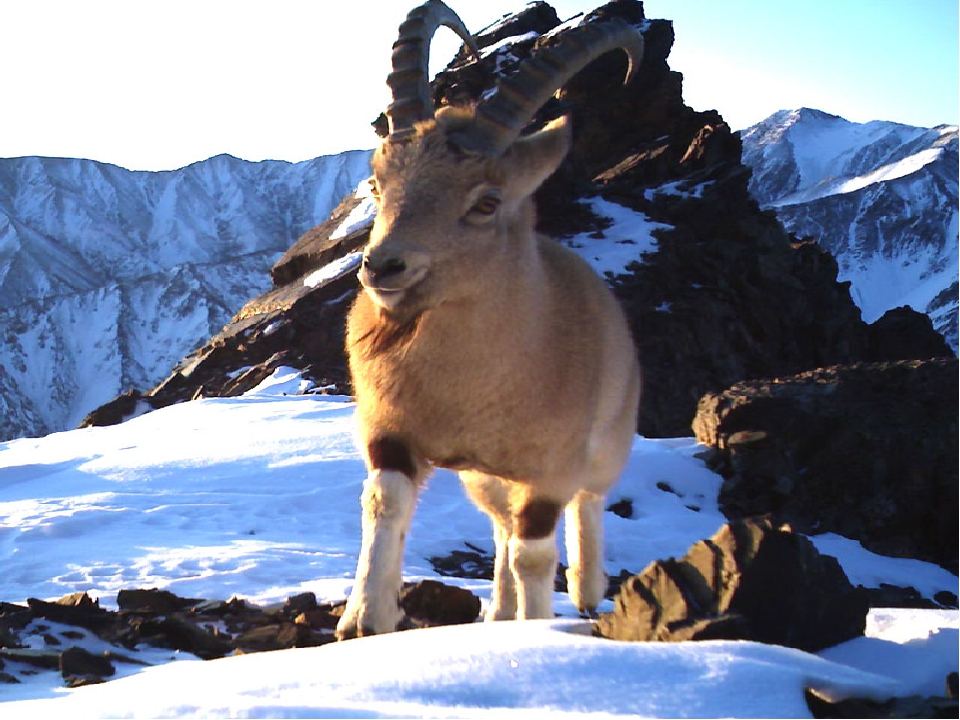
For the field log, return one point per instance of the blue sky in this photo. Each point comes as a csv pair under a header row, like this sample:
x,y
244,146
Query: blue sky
x,y
150,85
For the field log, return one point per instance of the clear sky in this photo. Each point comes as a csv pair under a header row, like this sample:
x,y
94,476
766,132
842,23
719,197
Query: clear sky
x,y
152,85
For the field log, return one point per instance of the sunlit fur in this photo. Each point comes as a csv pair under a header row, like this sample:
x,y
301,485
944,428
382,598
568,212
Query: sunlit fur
x,y
496,353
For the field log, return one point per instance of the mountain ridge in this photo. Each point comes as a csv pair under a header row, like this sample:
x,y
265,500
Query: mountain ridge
x,y
110,276
880,196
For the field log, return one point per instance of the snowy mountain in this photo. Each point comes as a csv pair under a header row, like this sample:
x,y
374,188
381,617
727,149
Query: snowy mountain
x,y
108,277
882,197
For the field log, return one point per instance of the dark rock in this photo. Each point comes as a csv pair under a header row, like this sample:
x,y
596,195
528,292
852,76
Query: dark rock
x,y
152,600
470,563
946,598
324,618
868,451
77,662
118,410
180,634
622,508
750,581
891,596
279,636
75,681
913,706
78,609
429,602
44,659
297,604
904,334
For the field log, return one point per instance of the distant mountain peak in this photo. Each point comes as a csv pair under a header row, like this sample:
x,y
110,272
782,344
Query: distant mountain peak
x,y
881,196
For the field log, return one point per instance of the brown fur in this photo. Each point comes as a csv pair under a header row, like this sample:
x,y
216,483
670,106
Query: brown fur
x,y
505,357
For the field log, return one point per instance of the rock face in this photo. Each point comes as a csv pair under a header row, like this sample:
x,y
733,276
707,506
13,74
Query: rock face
x,y
868,451
750,581
880,196
715,288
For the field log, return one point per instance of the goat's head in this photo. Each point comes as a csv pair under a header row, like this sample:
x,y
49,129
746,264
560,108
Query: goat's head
x,y
454,186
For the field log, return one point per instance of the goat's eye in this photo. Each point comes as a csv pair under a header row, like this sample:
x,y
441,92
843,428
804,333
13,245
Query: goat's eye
x,y
374,188
487,205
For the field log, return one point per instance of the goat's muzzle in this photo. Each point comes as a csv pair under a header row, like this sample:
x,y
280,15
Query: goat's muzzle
x,y
387,276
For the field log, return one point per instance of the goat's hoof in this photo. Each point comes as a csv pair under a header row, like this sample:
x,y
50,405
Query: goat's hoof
x,y
350,628
348,631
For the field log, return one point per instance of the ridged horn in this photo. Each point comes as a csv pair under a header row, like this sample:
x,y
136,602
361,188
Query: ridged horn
x,y
500,119
409,81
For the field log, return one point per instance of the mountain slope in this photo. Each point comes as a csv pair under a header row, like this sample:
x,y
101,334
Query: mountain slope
x,y
882,197
108,276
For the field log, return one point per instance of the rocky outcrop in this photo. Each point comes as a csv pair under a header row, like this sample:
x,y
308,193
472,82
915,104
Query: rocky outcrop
x,y
868,451
206,628
750,581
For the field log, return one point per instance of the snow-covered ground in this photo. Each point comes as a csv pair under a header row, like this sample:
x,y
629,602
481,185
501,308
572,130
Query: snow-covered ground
x,y
257,497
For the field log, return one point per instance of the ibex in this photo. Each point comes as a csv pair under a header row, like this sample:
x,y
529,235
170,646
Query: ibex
x,y
478,346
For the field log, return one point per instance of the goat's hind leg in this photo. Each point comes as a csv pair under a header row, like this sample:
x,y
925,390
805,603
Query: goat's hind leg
x,y
491,495
583,532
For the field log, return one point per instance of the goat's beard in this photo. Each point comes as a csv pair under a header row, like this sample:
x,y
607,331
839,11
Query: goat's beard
x,y
398,307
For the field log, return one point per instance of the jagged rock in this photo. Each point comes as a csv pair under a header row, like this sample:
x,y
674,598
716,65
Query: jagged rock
x,y
278,636
750,581
79,663
868,451
434,603
904,334
120,409
912,706
76,609
178,633
153,600
43,659
208,629
470,563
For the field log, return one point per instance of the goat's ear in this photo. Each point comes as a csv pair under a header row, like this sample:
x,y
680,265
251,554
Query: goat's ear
x,y
534,158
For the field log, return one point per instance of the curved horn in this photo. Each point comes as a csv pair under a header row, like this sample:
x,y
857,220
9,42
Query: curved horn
x,y
409,82
500,119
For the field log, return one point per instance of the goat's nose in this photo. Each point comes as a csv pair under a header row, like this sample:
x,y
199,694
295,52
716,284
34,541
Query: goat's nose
x,y
380,268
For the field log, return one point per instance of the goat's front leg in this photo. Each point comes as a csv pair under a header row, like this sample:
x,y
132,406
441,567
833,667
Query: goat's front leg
x,y
389,496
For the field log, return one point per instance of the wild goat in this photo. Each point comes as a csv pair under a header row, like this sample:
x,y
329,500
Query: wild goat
x,y
477,345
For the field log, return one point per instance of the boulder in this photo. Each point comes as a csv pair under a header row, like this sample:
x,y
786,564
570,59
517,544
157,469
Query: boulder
x,y
868,451
428,603
750,581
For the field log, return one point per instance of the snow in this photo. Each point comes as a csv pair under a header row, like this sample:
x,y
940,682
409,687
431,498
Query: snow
x,y
832,185
624,241
257,497
333,270
362,215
